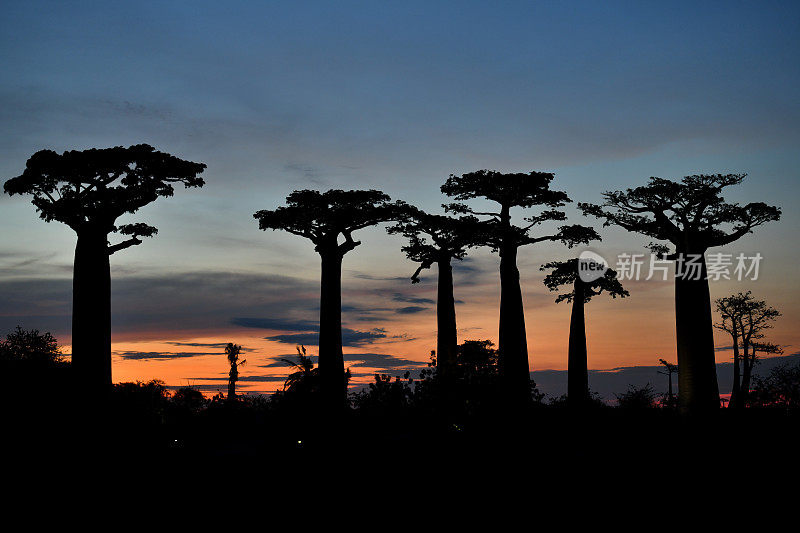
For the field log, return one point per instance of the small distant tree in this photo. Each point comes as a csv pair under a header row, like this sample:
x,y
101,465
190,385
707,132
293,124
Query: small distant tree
x,y
232,351
523,190
438,239
692,216
565,273
30,346
324,217
669,369
88,191
745,319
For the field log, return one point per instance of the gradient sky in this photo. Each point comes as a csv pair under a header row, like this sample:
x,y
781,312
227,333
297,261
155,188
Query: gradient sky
x,y
277,96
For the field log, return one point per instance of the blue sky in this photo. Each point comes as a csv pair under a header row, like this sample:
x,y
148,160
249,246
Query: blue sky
x,y
276,96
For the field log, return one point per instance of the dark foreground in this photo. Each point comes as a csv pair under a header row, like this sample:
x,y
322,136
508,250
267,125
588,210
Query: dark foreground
x,y
244,440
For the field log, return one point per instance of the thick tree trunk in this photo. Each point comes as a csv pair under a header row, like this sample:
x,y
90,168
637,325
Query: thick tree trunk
x,y
578,366
91,312
513,348
697,373
447,334
331,362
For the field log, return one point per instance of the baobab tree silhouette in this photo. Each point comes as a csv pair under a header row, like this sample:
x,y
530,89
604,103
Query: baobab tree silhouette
x,y
523,190
88,191
438,239
693,216
322,217
566,273
745,319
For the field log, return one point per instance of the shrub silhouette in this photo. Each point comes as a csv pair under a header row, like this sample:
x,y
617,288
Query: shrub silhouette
x,y
779,389
637,398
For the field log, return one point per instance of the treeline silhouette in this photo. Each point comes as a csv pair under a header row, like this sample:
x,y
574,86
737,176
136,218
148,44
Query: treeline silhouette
x,y
89,190
459,418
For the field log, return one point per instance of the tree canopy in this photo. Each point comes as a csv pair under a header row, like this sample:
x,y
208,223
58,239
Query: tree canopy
x,y
523,190
691,214
322,216
435,237
565,273
92,188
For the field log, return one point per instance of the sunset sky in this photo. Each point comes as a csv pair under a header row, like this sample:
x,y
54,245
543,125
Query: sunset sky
x,y
278,96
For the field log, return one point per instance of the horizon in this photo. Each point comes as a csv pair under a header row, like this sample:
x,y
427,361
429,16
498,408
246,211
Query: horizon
x,y
396,98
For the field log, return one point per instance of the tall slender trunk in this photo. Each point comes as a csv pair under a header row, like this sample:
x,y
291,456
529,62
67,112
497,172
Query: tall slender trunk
x,y
233,375
748,361
91,312
736,398
697,373
513,348
669,393
331,362
578,366
447,334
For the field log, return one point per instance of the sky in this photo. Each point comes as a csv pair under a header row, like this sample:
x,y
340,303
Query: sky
x,y
278,96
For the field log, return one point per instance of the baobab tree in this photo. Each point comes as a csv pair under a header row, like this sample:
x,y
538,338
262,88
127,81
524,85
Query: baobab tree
x,y
88,191
324,217
565,273
439,239
692,216
524,190
744,318
232,351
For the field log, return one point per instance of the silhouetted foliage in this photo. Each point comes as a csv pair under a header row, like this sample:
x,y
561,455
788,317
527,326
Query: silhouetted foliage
x,y
31,347
693,216
637,398
524,190
302,387
232,351
565,273
88,191
189,399
33,360
438,239
779,389
745,319
669,401
386,395
305,379
322,217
